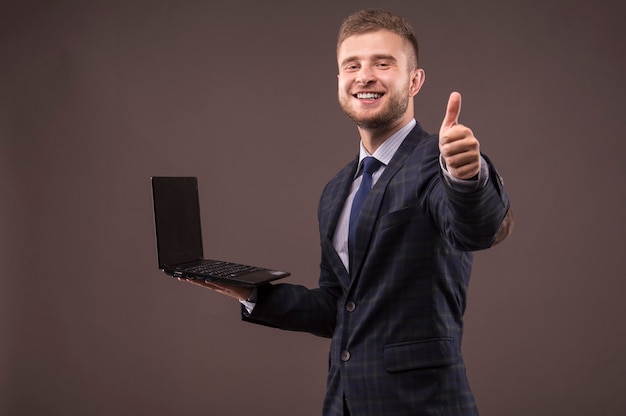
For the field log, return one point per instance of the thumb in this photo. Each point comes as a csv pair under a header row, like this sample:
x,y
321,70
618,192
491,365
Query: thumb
x,y
452,111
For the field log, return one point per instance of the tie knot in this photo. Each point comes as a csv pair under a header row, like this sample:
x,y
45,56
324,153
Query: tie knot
x,y
370,165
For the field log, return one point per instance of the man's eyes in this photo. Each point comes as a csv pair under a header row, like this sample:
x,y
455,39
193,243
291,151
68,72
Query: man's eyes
x,y
356,67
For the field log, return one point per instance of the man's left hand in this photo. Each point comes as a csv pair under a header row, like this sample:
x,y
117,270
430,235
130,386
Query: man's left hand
x,y
457,144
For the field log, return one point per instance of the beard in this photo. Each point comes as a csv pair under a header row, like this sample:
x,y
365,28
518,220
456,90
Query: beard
x,y
383,118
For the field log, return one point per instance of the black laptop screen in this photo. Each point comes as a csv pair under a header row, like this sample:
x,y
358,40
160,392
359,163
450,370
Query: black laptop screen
x,y
177,219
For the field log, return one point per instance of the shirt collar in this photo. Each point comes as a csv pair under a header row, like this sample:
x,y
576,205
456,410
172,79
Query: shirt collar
x,y
385,151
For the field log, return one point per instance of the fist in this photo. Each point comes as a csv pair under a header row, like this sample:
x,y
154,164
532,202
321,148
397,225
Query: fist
x,y
458,146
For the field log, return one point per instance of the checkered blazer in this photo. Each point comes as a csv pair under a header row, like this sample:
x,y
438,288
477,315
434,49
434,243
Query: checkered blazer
x,y
396,319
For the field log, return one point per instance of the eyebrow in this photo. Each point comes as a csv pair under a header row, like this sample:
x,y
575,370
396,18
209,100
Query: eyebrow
x,y
376,57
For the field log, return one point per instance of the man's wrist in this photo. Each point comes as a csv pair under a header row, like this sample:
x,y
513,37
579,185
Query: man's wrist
x,y
250,302
476,182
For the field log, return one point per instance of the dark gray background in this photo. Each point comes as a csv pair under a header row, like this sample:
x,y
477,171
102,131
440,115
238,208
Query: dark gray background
x,y
95,97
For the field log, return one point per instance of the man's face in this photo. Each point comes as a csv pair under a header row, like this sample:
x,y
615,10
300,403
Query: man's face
x,y
375,80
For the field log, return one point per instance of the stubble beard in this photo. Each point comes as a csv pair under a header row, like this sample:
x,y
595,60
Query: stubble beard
x,y
384,118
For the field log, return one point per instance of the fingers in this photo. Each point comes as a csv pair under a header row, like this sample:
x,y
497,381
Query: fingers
x,y
458,146
236,292
458,139
450,130
452,111
463,165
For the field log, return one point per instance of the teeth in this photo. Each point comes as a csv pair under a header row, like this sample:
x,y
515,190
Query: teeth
x,y
368,95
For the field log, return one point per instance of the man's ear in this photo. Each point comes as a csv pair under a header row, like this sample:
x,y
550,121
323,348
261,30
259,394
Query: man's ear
x,y
418,76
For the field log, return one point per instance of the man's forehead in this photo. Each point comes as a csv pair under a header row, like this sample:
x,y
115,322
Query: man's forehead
x,y
380,42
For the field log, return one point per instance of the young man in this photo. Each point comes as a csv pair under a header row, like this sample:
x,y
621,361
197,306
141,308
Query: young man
x,y
394,275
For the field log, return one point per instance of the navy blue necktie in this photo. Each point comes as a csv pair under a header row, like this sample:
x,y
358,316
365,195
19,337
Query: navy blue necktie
x,y
370,165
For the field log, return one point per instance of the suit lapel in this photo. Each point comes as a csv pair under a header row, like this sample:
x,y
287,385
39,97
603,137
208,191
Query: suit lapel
x,y
334,198
371,208
330,209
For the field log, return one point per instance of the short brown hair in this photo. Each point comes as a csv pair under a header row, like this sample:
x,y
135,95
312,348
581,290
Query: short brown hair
x,y
371,20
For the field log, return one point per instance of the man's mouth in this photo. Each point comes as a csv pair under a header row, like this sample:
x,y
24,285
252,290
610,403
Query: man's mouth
x,y
368,95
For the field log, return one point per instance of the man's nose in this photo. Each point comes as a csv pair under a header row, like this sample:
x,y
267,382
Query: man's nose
x,y
365,76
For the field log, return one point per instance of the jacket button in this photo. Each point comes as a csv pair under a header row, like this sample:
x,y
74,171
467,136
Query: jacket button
x,y
350,306
345,355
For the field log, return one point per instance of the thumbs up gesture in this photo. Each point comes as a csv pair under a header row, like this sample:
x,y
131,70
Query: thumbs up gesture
x,y
457,144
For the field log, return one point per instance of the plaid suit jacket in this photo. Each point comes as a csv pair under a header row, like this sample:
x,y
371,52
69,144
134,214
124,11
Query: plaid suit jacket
x,y
396,319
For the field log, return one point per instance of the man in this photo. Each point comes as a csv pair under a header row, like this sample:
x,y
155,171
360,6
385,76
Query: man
x,y
393,280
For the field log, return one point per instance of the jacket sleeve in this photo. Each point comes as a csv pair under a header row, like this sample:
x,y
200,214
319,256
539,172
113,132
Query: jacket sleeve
x,y
470,220
297,308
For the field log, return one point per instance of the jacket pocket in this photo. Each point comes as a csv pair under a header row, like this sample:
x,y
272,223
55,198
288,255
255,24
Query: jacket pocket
x,y
394,218
413,355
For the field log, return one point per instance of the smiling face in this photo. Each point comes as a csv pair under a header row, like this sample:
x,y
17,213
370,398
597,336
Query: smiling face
x,y
377,80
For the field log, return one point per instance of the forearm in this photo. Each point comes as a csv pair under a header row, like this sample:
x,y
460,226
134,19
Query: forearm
x,y
473,220
295,308
506,227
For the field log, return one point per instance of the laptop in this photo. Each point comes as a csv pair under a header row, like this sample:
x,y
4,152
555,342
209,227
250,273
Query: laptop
x,y
179,238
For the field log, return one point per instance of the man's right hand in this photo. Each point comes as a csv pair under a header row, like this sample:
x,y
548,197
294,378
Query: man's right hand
x,y
236,292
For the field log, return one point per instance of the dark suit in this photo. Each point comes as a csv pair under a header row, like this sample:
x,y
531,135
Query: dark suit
x,y
396,318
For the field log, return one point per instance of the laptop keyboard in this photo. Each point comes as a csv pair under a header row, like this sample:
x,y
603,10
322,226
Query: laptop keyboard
x,y
223,269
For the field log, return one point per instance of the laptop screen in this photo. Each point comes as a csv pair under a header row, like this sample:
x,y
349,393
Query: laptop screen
x,y
177,220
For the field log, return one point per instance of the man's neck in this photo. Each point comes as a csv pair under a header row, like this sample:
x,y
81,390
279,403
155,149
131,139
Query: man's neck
x,y
373,138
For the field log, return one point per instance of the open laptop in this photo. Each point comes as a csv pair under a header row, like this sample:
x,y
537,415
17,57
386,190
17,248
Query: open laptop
x,y
179,238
